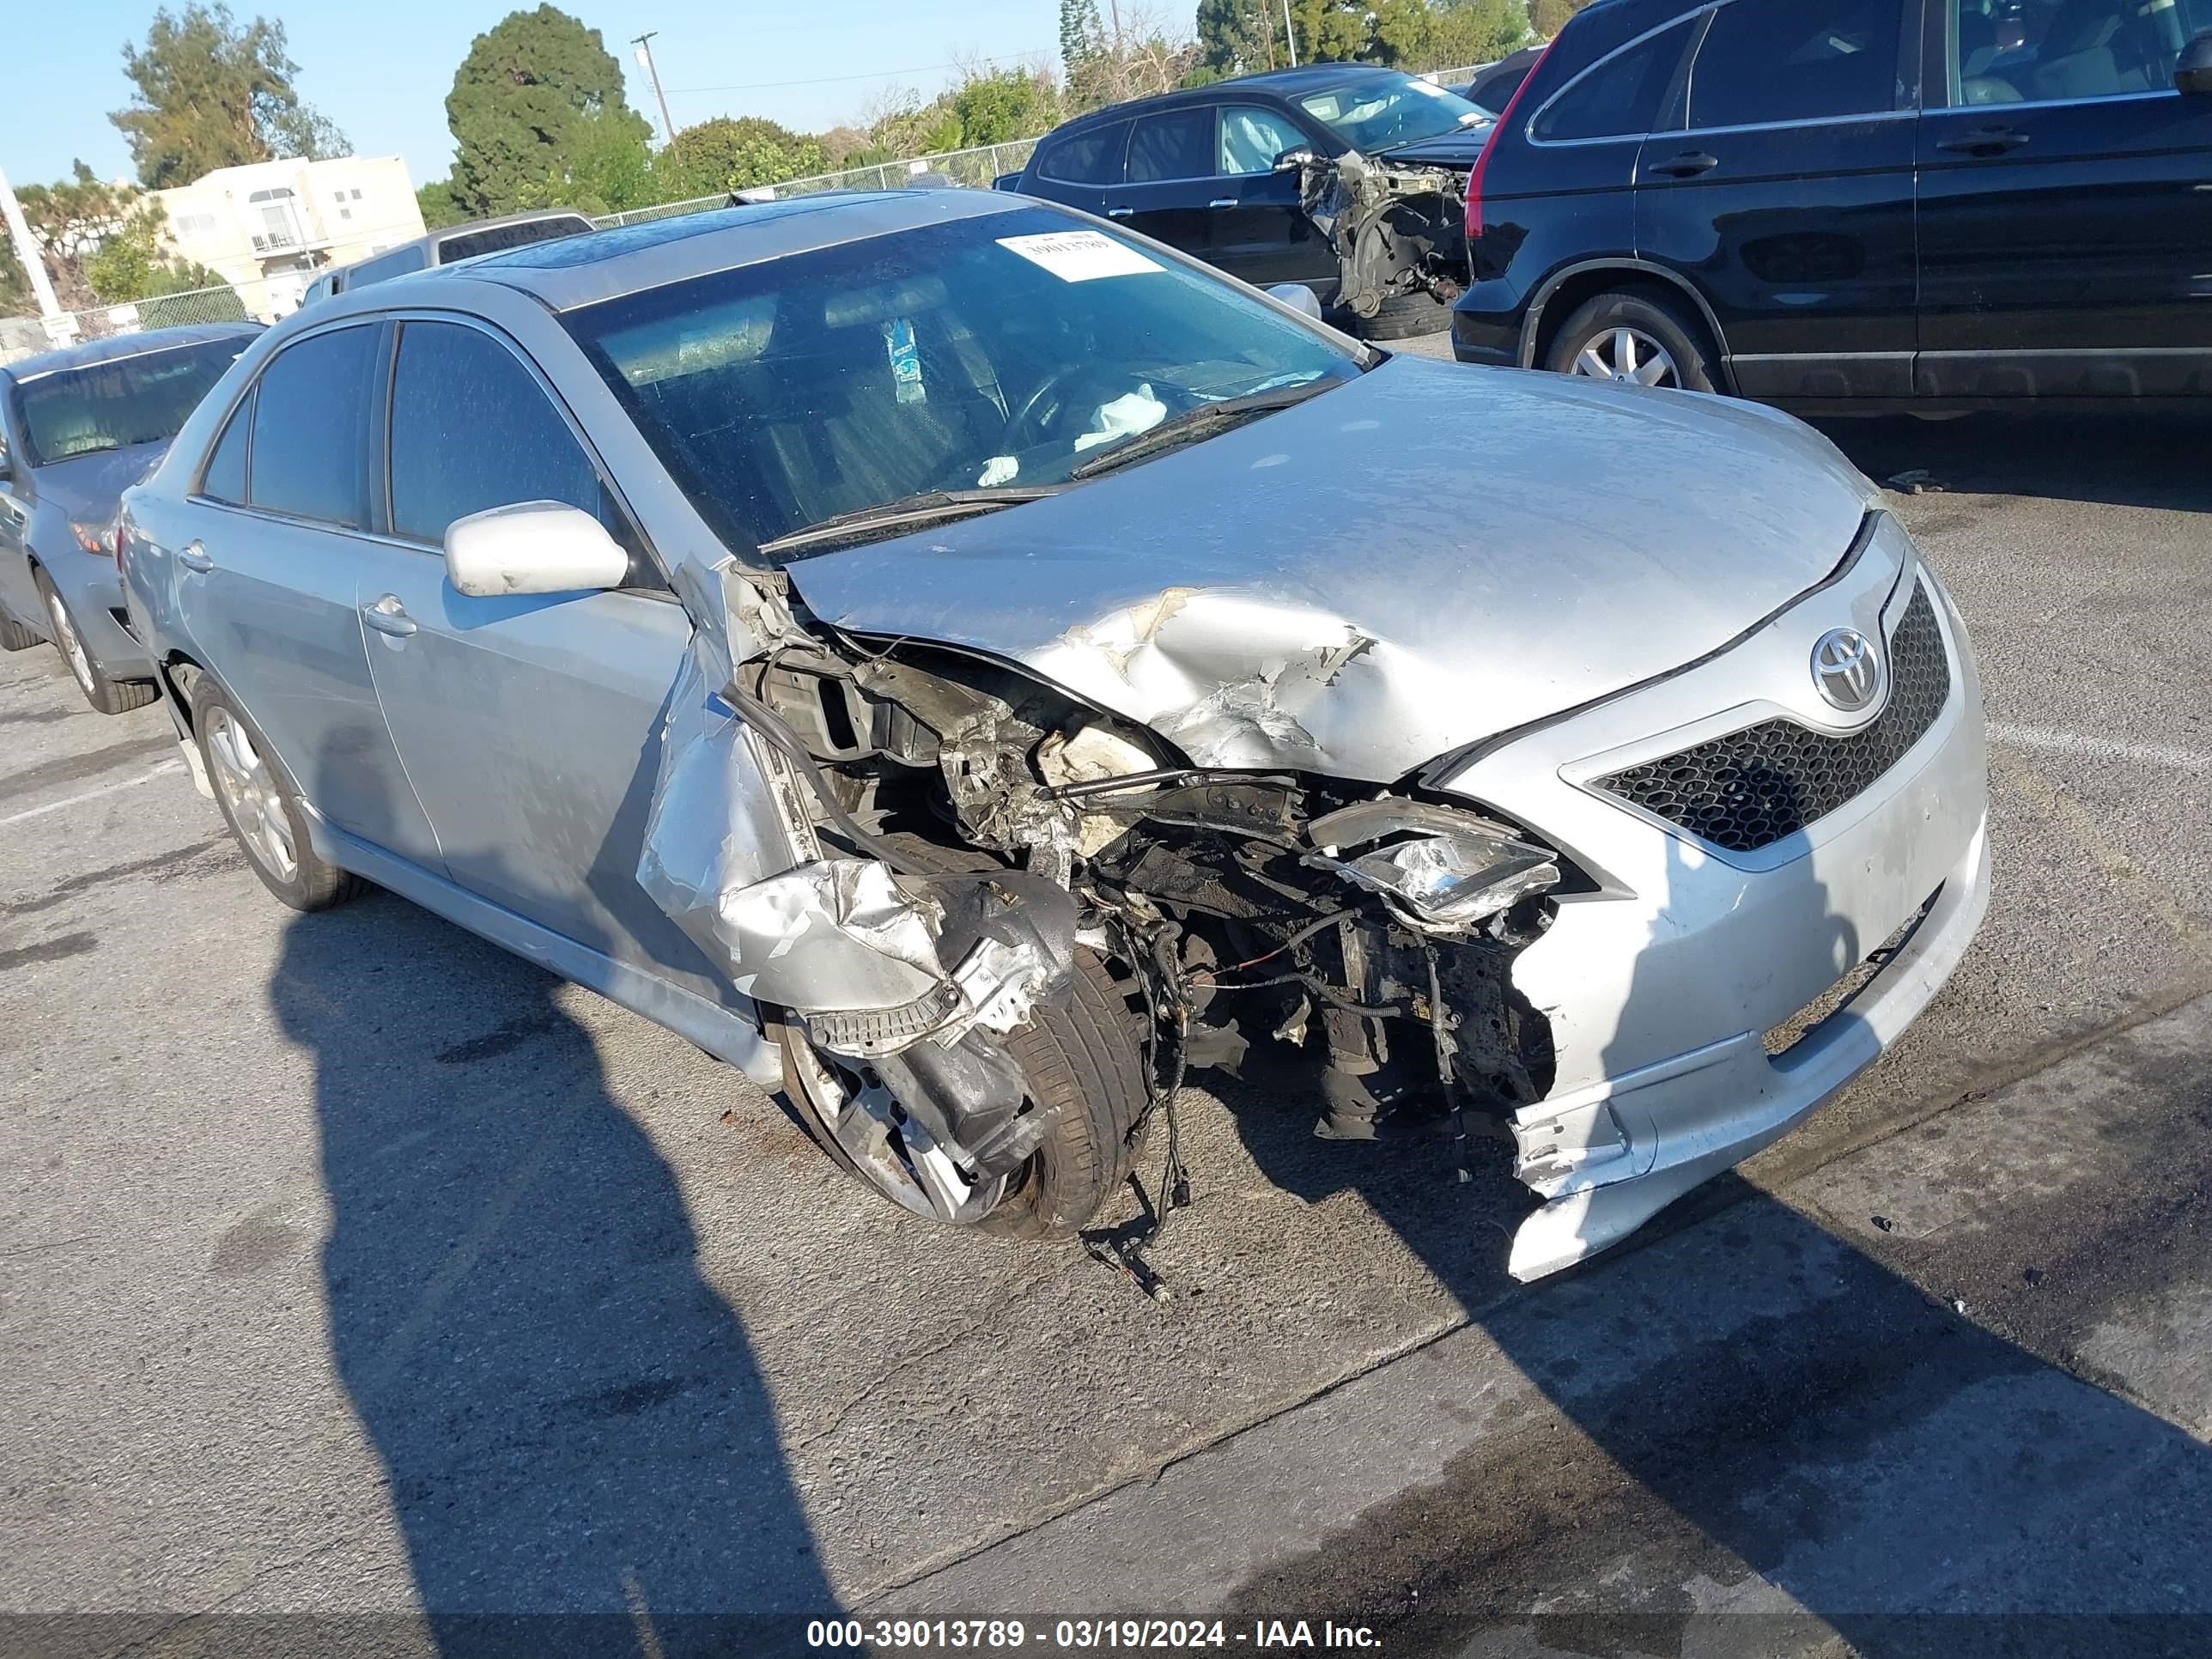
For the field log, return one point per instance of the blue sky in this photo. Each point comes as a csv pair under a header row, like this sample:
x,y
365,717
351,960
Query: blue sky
x,y
381,70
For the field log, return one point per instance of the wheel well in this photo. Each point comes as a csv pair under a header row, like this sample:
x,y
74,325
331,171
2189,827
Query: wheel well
x,y
179,674
1563,301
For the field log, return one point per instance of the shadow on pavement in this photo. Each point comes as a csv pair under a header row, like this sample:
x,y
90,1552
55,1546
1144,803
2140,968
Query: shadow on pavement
x,y
1749,1416
581,1452
2122,460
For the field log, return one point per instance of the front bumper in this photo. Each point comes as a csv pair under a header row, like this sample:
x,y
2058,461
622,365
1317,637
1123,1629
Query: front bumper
x,y
90,586
1660,988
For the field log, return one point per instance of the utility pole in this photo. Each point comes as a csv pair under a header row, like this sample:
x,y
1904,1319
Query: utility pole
x,y
644,45
34,265
1290,34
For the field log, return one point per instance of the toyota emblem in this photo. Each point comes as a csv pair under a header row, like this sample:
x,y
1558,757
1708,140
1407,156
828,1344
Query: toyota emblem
x,y
1845,669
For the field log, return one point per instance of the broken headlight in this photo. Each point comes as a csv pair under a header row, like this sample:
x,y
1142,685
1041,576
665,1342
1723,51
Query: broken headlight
x,y
1440,870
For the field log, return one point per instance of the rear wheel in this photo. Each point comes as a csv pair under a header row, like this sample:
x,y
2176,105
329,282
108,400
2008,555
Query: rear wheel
x,y
261,807
1638,338
1403,316
108,696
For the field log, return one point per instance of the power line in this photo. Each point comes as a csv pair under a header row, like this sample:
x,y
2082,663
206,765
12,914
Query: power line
x,y
871,74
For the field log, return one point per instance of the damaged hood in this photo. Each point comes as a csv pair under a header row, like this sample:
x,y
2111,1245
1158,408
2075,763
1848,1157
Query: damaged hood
x,y
1460,149
1414,561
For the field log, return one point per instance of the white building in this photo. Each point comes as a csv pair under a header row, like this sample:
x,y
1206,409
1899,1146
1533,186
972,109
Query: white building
x,y
267,228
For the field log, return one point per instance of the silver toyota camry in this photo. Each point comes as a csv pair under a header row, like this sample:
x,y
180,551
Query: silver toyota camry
x,y
975,667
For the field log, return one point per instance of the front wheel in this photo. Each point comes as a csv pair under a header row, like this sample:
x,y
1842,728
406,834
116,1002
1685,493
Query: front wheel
x,y
1635,338
1083,1064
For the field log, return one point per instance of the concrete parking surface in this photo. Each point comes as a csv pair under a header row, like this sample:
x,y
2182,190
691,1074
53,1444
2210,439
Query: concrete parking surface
x,y
350,1266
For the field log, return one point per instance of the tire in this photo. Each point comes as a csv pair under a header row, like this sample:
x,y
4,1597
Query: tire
x,y
14,636
1084,1063
108,696
1648,318
1404,317
302,880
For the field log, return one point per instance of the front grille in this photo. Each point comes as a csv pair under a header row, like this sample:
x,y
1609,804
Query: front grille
x,y
1750,789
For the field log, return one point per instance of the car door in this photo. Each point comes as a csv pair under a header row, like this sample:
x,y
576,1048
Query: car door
x,y
2065,203
268,553
1785,194
1262,234
530,724
1167,189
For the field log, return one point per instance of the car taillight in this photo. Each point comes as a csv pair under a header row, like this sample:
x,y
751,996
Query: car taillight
x,y
1490,144
122,541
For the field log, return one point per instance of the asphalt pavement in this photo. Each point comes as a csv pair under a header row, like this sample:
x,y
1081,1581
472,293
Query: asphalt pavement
x,y
351,1267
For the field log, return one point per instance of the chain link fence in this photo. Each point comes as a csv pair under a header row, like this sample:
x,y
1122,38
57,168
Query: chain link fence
x,y
270,297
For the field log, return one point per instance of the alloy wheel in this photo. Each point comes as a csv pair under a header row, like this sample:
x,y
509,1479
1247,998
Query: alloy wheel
x,y
891,1150
1628,356
72,648
251,792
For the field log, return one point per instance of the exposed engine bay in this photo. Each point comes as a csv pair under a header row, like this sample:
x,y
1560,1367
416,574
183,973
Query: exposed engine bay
x,y
902,850
1398,228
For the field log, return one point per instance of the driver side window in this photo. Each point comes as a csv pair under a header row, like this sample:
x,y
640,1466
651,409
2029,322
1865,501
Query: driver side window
x,y
2013,52
1251,139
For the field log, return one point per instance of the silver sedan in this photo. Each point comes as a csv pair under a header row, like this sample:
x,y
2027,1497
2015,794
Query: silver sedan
x,y
972,665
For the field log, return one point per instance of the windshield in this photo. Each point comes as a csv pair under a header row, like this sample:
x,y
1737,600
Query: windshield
x,y
112,405
998,352
1381,111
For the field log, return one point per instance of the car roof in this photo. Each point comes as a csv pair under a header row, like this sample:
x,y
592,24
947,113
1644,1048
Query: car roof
x,y
1283,83
86,353
603,264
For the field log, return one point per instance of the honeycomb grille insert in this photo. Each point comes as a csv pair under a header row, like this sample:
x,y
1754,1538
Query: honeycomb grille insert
x,y
1750,789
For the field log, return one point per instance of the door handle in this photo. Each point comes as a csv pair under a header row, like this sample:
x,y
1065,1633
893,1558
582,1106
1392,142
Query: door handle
x,y
388,616
1223,201
1119,213
1689,165
1984,141
193,556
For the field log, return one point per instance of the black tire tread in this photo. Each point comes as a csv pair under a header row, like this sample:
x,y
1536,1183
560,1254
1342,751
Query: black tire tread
x,y
16,636
1695,358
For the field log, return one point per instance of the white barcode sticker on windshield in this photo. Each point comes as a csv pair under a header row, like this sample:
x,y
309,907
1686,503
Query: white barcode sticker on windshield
x,y
1080,256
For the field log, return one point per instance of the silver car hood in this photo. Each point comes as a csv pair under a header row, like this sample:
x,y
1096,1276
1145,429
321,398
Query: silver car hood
x,y
1421,558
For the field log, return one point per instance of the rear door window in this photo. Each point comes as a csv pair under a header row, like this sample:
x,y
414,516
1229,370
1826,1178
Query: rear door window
x,y
1086,158
1619,97
1177,145
311,435
1765,62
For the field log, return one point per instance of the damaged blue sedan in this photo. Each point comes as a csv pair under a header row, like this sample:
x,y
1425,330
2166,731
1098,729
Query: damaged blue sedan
x,y
971,666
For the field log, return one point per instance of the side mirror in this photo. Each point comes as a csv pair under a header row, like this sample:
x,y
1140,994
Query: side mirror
x,y
536,547
1293,160
1298,297
2193,71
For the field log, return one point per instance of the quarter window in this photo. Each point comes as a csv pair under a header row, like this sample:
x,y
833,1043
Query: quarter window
x,y
471,429
225,477
311,428
1177,145
1768,60
1621,97
1251,139
1086,158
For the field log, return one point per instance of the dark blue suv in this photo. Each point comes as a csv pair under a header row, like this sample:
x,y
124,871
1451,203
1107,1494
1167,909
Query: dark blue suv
x,y
1856,204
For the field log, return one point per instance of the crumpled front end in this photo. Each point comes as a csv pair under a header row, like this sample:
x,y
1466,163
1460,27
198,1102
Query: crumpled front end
x,y
1398,227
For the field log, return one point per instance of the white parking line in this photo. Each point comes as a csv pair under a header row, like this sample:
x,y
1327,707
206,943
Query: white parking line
x,y
64,804
2168,754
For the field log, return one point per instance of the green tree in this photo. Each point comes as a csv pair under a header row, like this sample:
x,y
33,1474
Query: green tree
x,y
519,106
101,243
1236,37
439,209
738,153
1081,34
1012,103
1445,33
212,93
1550,16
